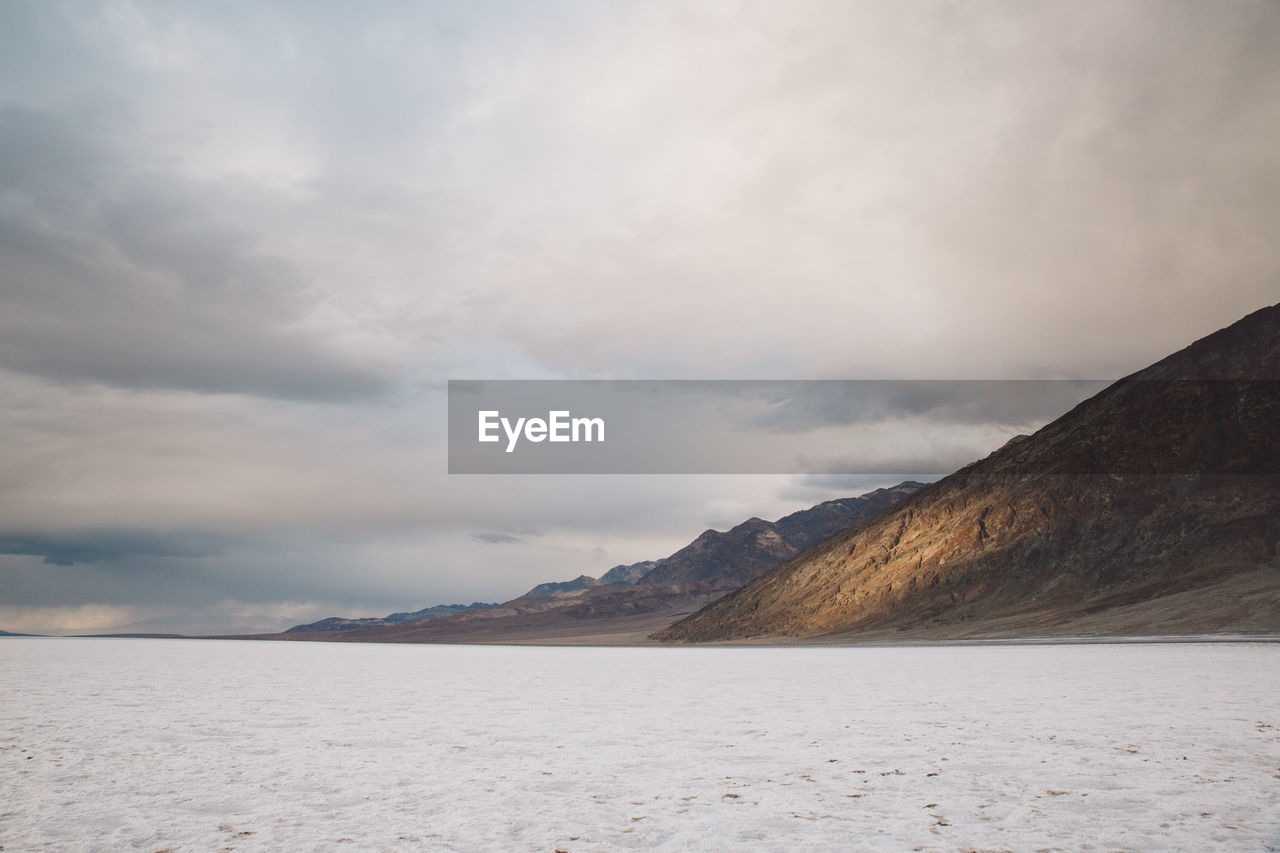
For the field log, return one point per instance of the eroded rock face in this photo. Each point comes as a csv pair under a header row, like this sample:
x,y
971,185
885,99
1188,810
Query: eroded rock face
x,y
1165,482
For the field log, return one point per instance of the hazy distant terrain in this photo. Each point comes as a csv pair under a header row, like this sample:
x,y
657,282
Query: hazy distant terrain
x,y
339,623
195,745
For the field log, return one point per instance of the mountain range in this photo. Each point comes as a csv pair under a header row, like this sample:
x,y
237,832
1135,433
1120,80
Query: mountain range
x,y
341,623
628,601
1152,507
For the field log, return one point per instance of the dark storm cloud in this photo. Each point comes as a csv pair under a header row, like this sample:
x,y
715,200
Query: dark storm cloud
x,y
117,273
99,546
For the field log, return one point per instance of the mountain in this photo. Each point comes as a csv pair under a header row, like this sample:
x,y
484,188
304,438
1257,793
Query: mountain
x,y
629,575
718,561
607,610
722,561
544,590
339,623
1152,507
620,575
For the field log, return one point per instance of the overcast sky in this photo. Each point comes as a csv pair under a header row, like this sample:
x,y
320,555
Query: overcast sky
x,y
244,245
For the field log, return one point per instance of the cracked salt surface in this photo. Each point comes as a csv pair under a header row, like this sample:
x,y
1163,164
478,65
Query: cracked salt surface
x,y
215,745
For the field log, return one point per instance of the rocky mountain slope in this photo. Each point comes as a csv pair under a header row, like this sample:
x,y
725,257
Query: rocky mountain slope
x,y
1152,506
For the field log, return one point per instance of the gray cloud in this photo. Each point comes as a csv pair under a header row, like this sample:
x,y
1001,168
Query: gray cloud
x,y
114,274
804,406
67,549
496,538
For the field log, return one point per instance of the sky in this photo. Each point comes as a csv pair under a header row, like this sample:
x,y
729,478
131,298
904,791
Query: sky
x,y
245,245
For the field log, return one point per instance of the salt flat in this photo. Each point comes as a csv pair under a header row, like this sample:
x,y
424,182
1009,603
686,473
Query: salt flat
x,y
208,745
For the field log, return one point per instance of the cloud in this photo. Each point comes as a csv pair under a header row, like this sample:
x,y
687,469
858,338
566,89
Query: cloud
x,y
112,272
495,538
897,192
109,546
55,620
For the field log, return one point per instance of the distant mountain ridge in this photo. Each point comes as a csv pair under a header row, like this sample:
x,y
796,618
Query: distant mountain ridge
x,y
629,575
726,560
544,590
1153,506
656,591
620,575
340,623
717,561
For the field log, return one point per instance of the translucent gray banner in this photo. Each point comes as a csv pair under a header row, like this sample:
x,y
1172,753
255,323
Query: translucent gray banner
x,y
893,427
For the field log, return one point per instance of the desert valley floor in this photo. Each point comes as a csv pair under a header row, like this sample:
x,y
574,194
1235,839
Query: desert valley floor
x,y
202,745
